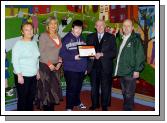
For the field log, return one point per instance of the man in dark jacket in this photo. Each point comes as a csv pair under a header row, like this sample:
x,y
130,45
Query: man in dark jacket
x,y
130,61
100,66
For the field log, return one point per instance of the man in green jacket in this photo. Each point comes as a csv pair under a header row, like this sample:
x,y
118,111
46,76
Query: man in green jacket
x,y
130,61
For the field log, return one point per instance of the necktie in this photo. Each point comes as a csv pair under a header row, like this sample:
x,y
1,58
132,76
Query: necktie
x,y
99,38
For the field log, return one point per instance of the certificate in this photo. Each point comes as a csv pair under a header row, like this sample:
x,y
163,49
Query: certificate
x,y
86,51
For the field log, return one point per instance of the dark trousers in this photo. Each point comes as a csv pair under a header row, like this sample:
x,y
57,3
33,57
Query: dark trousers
x,y
128,85
25,93
74,82
100,79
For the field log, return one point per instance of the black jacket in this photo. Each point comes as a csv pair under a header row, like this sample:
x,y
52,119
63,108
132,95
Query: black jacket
x,y
108,48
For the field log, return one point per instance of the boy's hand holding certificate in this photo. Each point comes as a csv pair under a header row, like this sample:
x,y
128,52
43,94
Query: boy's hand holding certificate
x,y
86,51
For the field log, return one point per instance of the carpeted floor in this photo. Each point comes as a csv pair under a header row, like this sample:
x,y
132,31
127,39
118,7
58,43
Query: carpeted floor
x,y
116,104
142,87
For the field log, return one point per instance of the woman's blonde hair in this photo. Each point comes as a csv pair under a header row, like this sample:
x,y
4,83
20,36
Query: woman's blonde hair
x,y
48,20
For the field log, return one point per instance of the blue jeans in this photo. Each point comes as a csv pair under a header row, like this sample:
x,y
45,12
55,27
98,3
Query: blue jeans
x,y
74,82
128,85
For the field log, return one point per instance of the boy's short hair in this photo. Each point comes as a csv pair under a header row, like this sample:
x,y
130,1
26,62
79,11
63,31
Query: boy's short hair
x,y
77,23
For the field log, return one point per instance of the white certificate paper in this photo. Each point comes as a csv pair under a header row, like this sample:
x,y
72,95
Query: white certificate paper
x,y
86,51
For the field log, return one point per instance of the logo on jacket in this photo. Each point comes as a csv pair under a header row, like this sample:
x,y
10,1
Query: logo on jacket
x,y
129,44
73,45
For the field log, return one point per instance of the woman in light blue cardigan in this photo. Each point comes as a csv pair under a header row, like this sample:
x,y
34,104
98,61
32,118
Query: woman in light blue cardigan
x,y
25,59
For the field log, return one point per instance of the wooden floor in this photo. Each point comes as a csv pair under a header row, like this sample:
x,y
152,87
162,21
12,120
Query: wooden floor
x,y
116,104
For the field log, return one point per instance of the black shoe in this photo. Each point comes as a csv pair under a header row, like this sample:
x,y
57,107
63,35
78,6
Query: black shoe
x,y
127,109
94,107
104,109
